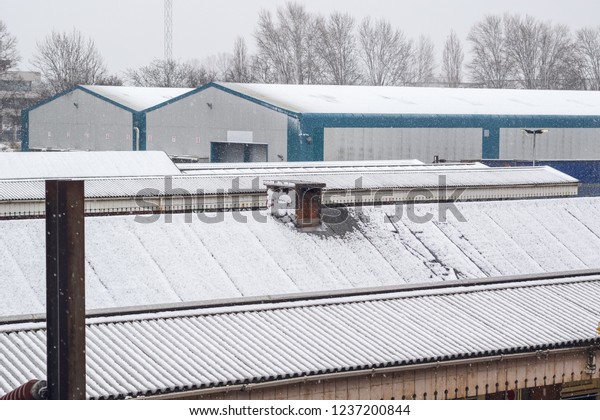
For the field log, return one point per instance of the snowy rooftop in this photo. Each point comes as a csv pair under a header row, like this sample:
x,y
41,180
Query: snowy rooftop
x,y
137,98
420,100
304,166
131,263
154,353
214,181
44,165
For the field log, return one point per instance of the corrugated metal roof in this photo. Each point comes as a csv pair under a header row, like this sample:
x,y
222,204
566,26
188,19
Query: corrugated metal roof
x,y
252,180
316,165
192,257
137,98
420,100
50,165
170,352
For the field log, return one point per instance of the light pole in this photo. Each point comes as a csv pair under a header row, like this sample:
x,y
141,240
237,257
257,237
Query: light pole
x,y
535,133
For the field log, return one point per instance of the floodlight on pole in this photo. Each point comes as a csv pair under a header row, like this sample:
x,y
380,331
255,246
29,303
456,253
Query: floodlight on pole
x,y
535,133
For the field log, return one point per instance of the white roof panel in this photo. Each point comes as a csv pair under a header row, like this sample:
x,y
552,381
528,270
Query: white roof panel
x,y
137,98
420,100
44,165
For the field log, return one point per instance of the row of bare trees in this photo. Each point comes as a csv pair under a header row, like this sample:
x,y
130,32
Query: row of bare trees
x,y
511,51
295,46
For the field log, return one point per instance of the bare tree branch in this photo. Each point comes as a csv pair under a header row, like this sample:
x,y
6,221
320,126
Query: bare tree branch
x,y
66,60
491,64
9,57
170,73
288,45
452,60
385,53
336,48
588,51
240,67
423,61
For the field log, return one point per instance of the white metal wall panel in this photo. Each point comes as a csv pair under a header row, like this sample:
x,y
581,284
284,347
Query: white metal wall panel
x,y
557,143
187,126
80,121
402,143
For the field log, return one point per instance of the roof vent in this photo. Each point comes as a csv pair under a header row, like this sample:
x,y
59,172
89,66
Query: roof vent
x,y
296,202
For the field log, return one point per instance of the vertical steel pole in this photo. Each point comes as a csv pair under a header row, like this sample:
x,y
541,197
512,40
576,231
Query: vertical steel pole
x,y
65,289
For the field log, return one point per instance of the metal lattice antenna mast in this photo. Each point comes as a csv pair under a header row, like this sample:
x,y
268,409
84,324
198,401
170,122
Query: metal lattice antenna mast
x,y
168,30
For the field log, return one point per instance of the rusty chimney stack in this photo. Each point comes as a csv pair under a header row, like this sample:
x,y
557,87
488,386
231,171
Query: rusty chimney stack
x,y
296,202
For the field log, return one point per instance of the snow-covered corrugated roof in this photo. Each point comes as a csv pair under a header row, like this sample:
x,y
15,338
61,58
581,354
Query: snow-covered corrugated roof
x,y
44,165
420,100
137,98
217,181
204,256
153,353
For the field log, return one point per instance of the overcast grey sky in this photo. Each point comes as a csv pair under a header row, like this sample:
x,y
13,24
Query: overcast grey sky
x,y
129,33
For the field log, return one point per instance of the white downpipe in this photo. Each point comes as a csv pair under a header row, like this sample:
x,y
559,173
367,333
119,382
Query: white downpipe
x,y
137,138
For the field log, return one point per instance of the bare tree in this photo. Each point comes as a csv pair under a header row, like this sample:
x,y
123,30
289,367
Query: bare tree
x,y
423,61
385,53
491,64
452,60
9,56
544,54
288,44
217,66
588,51
110,80
240,69
336,49
262,71
169,73
66,60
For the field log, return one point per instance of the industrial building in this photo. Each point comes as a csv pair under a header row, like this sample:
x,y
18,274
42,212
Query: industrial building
x,y
494,297
17,91
92,118
120,189
467,340
229,122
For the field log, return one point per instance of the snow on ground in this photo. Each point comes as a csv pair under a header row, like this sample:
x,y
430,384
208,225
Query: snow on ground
x,y
131,263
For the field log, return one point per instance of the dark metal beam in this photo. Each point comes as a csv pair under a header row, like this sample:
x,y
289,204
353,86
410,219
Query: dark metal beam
x,y
65,289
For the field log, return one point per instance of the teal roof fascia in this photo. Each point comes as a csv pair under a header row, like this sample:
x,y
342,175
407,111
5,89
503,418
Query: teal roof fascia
x,y
451,121
78,87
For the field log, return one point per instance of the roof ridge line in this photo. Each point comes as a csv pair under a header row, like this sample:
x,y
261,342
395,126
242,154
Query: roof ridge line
x,y
243,304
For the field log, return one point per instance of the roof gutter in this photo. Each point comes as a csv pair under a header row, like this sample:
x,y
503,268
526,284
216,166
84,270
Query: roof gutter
x,y
354,373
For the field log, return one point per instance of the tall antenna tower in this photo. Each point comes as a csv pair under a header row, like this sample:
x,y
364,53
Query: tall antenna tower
x,y
168,30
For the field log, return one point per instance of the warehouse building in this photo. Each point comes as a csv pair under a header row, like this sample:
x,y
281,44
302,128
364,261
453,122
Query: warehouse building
x,y
232,122
364,122
92,118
